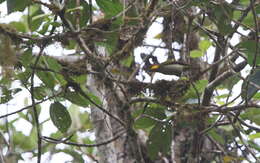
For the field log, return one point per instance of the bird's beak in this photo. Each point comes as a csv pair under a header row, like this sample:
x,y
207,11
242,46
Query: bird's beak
x,y
154,67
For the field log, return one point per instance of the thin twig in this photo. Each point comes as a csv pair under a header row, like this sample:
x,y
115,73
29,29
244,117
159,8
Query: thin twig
x,y
255,128
77,88
256,32
219,49
196,91
30,106
153,118
39,142
241,138
57,141
211,126
217,145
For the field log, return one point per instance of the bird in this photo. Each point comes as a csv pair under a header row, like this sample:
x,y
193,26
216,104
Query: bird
x,y
170,68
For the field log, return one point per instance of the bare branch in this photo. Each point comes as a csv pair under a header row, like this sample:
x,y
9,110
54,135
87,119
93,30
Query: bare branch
x,y
39,142
57,141
219,50
30,106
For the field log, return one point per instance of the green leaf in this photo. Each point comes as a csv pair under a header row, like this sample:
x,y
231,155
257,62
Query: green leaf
x,y
244,2
249,20
200,87
7,94
254,145
22,141
47,24
204,45
249,90
236,15
41,16
110,42
249,48
223,96
81,79
159,140
88,141
19,26
80,121
146,122
199,2
127,61
71,44
82,101
224,26
27,58
252,114
76,98
33,136
60,116
34,11
47,78
17,5
30,114
254,136
196,53
110,8
229,83
56,135
77,157
85,121
56,67
222,14
16,90
94,98
24,76
52,63
257,9
71,12
256,96
216,136
40,93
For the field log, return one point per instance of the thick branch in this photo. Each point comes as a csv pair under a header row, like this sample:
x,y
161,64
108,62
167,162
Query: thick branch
x,y
224,76
209,92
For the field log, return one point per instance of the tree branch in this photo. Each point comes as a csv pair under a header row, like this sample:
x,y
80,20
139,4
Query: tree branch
x,y
30,106
209,92
57,141
39,142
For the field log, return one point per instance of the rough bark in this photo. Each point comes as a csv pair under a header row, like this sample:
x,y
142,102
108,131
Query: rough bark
x,y
126,149
102,125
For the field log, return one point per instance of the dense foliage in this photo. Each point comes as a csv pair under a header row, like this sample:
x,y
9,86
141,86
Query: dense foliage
x,y
48,58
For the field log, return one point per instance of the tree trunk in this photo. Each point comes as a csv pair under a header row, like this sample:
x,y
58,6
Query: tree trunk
x,y
125,149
